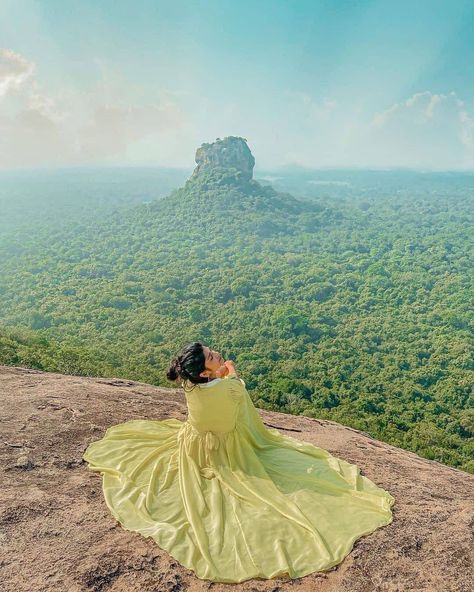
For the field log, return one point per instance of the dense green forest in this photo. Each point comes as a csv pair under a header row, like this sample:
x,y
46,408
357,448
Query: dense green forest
x,y
342,301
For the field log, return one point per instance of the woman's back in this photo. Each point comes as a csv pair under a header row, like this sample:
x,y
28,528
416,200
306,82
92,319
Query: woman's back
x,y
214,406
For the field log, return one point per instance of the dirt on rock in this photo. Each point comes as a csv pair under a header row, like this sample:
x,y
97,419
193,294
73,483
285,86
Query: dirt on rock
x,y
57,534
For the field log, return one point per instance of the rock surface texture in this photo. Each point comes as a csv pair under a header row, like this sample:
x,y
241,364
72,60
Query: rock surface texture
x,y
56,532
230,153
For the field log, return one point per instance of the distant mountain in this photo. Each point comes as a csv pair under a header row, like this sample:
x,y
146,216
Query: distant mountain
x,y
222,191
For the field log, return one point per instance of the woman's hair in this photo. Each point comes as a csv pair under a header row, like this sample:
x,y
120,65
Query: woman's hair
x,y
189,364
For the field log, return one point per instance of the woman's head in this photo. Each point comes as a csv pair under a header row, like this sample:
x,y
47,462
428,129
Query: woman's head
x,y
196,363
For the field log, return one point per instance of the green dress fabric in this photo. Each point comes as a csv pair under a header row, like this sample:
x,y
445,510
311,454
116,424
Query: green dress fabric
x,y
231,499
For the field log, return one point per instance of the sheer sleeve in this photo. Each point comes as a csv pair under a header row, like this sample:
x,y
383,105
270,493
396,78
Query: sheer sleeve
x,y
236,386
233,376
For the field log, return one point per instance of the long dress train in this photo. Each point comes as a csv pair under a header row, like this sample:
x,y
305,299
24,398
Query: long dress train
x,y
231,499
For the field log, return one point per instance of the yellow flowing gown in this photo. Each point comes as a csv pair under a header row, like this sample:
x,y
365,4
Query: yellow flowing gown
x,y
231,499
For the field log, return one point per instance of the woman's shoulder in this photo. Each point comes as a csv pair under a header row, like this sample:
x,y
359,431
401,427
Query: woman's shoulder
x,y
203,386
231,381
234,378
236,387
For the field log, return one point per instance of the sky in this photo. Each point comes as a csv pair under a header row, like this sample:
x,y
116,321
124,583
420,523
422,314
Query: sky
x,y
318,84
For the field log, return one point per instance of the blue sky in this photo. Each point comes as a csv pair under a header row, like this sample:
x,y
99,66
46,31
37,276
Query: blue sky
x,y
374,84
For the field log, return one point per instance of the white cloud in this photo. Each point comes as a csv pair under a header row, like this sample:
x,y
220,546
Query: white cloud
x,y
111,128
37,129
15,70
421,107
114,123
432,131
427,129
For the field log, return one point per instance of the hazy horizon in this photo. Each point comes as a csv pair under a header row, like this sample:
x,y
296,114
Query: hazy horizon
x,y
256,172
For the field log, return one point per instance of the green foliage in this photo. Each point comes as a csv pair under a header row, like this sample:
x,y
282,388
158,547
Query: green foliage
x,y
356,310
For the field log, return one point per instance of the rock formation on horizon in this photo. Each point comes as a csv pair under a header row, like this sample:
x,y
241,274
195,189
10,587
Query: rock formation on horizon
x,y
57,534
224,177
230,153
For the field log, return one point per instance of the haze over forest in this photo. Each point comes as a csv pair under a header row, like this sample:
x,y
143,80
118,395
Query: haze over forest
x,y
340,294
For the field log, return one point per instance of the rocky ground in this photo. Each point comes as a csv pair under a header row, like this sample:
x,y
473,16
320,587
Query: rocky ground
x,y
56,533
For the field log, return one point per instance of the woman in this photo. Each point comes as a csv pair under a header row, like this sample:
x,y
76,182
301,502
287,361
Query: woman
x,y
227,497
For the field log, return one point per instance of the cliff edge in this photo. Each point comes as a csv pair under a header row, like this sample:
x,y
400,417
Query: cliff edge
x,y
56,532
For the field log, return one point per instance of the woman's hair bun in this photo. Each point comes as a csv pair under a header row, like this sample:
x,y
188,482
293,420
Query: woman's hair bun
x,y
174,370
188,364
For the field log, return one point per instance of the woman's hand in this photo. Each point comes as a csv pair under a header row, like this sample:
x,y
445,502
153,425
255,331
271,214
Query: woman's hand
x,y
227,368
222,371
